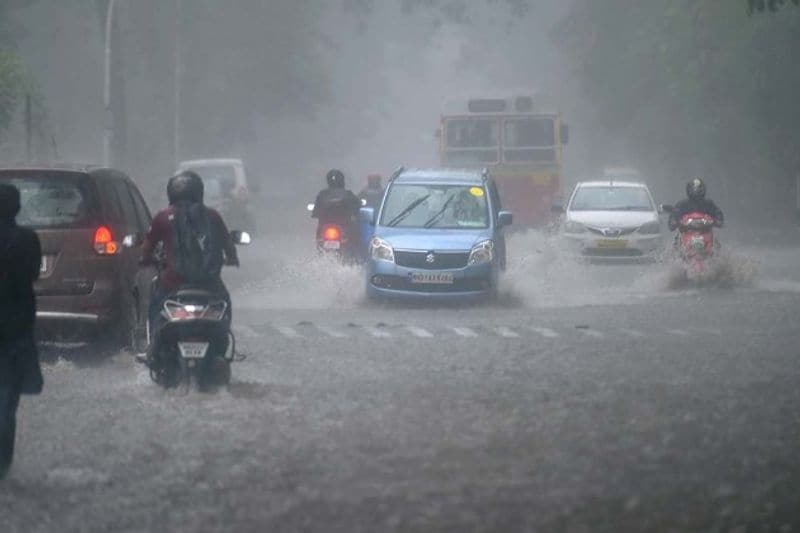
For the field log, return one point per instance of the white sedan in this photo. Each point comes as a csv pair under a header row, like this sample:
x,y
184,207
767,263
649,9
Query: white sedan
x,y
612,220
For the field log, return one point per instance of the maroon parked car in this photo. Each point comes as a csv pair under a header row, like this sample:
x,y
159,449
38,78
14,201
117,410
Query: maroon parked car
x,y
88,221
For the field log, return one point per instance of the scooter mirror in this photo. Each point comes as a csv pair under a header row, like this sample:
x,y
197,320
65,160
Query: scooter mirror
x,y
130,241
310,207
363,202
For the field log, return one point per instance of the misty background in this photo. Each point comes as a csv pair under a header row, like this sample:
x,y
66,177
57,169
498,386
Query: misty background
x,y
295,87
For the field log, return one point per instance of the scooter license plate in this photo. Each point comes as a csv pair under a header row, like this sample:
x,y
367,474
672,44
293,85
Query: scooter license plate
x,y
193,350
332,245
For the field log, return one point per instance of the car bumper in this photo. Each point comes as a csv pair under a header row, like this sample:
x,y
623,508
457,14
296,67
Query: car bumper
x,y
98,307
630,248
388,281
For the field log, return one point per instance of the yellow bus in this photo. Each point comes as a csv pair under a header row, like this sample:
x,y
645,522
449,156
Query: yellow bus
x,y
521,145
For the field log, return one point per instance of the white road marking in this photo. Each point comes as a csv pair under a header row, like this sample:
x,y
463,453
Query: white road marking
x,y
464,332
420,332
507,332
286,331
377,333
709,331
678,332
545,332
635,333
592,333
332,332
245,331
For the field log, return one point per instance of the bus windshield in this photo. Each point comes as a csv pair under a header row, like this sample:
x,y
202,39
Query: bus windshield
x,y
472,141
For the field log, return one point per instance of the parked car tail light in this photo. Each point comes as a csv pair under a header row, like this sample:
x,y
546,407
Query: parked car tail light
x,y
104,243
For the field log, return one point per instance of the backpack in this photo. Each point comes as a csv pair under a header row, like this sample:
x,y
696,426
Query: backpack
x,y
198,250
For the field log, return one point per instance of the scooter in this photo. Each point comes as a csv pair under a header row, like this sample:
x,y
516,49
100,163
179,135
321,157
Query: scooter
x,y
696,244
193,345
337,241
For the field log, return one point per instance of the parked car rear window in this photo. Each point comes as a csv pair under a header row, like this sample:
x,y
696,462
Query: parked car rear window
x,y
53,199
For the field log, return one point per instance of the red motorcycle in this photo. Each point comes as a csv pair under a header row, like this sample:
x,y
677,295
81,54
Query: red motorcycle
x,y
696,244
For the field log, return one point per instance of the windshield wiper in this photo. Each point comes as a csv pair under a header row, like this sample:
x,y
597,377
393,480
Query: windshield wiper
x,y
431,221
407,211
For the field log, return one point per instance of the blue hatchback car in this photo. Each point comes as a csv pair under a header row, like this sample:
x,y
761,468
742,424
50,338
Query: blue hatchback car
x,y
437,235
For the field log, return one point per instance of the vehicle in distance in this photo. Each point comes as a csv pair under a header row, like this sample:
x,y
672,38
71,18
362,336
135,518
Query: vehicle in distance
x,y
226,189
438,235
611,220
87,220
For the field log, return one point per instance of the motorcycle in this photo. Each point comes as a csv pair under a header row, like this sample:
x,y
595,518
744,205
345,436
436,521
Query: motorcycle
x,y
696,244
193,345
338,241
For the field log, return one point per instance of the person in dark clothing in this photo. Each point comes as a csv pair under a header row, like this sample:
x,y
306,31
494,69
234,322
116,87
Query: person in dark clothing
x,y
19,362
372,194
172,229
336,204
695,201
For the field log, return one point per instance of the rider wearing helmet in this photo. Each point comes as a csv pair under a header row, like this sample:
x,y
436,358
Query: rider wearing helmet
x,y
372,194
695,201
181,229
336,204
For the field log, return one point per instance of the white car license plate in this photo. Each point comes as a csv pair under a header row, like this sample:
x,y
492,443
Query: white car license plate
x,y
193,350
436,278
332,245
614,244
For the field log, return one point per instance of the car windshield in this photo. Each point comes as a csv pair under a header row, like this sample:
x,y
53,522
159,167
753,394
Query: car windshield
x,y
611,198
436,206
53,199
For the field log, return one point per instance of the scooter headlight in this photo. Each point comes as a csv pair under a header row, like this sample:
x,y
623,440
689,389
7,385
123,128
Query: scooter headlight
x,y
381,250
481,253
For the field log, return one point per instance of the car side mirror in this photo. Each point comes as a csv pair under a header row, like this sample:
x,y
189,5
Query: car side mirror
x,y
240,237
367,215
310,207
504,219
557,208
665,208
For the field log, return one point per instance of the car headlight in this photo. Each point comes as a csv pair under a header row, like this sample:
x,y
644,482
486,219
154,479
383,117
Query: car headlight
x,y
651,228
571,226
381,250
483,252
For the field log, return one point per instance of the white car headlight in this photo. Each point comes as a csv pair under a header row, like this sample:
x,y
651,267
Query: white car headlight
x,y
381,250
571,226
651,228
483,252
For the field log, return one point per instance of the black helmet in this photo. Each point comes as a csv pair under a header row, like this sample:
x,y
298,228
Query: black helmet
x,y
335,179
696,189
185,187
9,201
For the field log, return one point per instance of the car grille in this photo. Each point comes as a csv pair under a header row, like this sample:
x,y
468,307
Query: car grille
x,y
441,260
611,232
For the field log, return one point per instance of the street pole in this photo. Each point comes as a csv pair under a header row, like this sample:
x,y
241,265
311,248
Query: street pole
x,y
178,74
108,118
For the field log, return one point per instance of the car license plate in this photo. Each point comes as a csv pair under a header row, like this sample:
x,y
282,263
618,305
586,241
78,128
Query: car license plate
x,y
332,245
440,278
612,243
193,350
